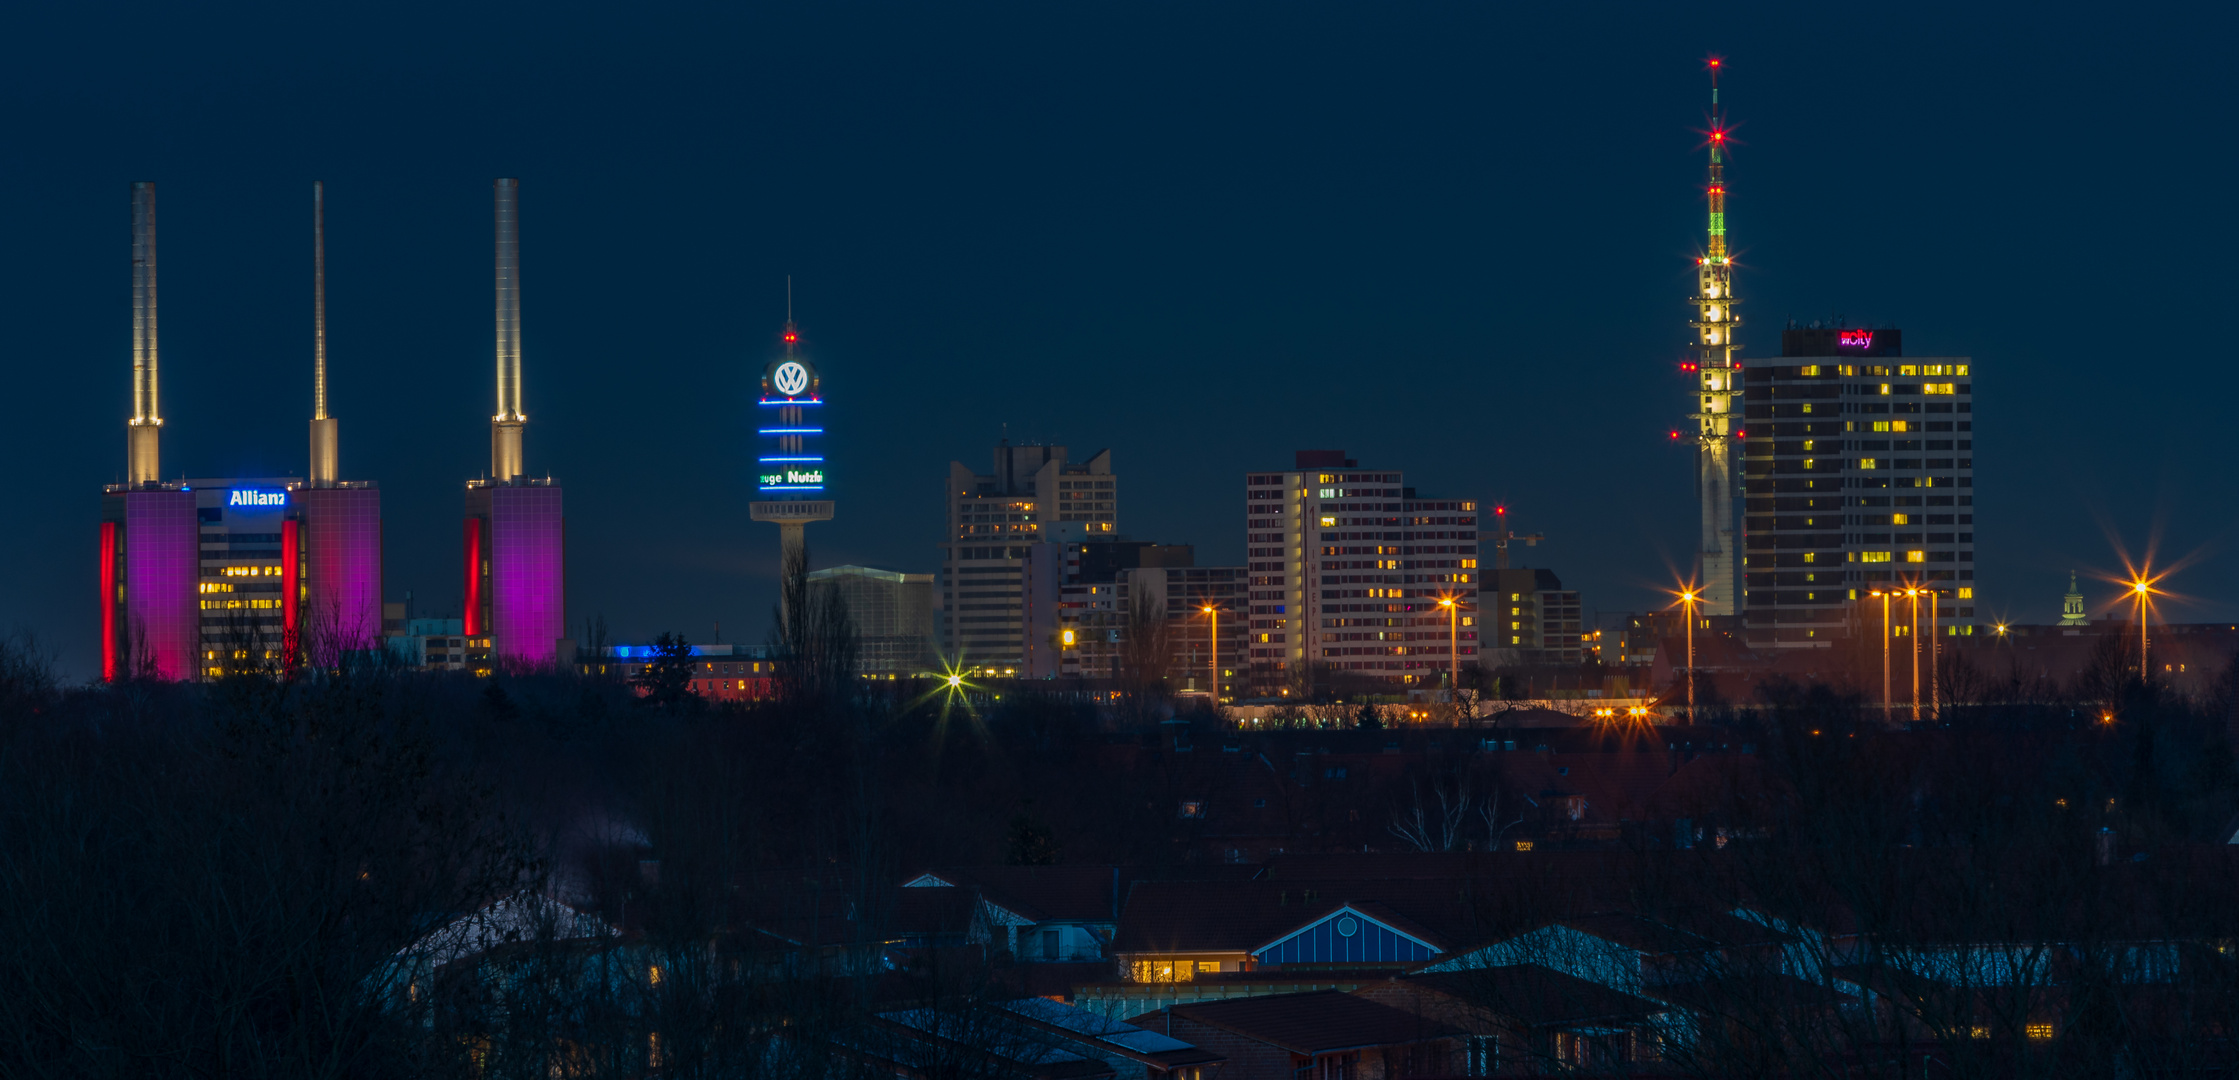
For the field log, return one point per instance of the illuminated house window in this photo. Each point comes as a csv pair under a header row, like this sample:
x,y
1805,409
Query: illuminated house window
x,y
2040,1031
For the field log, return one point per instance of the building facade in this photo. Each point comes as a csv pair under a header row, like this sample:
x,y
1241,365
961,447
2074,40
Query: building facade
x,y
1347,571
1858,471
1035,495
1529,618
892,613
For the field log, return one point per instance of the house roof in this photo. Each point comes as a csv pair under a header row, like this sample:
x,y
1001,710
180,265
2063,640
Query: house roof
x,y
1038,893
1107,1035
1239,917
1013,1051
1533,995
1639,934
1315,1023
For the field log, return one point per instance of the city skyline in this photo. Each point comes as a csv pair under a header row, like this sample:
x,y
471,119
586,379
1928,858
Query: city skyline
x,y
1169,348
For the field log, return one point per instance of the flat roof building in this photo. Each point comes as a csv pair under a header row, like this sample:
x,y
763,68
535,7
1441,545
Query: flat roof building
x,y
1036,495
1858,474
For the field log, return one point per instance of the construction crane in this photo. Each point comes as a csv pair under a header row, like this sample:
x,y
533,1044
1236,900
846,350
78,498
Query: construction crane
x,y
1502,535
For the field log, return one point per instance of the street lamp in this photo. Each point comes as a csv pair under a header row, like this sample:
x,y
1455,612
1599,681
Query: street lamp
x,y
1935,650
1213,647
1885,703
2139,588
1453,648
1687,604
1914,596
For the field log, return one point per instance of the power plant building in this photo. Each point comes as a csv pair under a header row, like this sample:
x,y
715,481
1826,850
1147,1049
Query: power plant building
x,y
515,533
202,577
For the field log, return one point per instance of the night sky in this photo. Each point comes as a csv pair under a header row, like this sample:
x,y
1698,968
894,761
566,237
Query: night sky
x,y
1454,240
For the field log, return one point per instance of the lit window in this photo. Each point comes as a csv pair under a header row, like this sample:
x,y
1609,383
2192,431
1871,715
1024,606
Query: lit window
x,y
1523,845
1908,369
2040,1031
1873,556
1900,519
1869,463
1329,522
653,975
1885,389
1962,370
1809,370
1966,592
1939,388
1916,556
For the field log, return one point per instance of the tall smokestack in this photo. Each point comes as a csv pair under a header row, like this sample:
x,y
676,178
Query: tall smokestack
x,y
142,448
505,427
326,442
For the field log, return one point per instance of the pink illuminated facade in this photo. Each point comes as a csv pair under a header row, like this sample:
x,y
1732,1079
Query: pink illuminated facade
x,y
155,622
341,570
519,580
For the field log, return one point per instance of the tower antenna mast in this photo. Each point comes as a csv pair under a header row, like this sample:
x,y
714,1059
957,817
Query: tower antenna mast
x,y
1715,370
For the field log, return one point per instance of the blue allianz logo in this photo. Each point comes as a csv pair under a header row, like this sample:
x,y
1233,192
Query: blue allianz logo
x,y
253,497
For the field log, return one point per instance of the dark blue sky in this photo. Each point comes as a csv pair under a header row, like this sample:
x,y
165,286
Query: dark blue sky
x,y
1453,239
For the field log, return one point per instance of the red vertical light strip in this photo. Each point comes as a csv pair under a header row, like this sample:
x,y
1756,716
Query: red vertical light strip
x,y
473,613
291,592
109,601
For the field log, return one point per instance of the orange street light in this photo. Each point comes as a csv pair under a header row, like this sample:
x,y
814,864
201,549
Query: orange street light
x,y
1213,647
1885,703
2140,589
1453,647
1687,599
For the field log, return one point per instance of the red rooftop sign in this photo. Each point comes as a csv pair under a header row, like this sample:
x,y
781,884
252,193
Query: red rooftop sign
x,y
1861,340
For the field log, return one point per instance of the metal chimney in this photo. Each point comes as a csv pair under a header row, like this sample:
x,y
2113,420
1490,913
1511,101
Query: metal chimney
x,y
505,427
142,447
326,447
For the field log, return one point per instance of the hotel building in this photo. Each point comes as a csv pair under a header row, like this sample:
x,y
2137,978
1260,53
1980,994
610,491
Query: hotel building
x,y
1858,474
1036,495
1348,568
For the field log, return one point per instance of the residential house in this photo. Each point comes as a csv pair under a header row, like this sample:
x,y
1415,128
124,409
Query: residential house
x,y
1325,1035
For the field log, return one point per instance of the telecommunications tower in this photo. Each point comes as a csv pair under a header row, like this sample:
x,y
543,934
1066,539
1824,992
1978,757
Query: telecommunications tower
x,y
1715,373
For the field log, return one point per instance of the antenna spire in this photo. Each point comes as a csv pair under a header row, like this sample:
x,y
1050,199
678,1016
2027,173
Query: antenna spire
x,y
792,334
1715,390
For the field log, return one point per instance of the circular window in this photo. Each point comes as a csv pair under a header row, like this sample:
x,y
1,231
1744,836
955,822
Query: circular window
x,y
1347,927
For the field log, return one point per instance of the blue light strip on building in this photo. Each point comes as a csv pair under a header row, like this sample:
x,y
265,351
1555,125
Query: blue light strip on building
x,y
790,459
792,431
792,487
790,401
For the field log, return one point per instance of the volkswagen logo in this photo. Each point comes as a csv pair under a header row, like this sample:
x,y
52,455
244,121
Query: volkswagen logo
x,y
790,378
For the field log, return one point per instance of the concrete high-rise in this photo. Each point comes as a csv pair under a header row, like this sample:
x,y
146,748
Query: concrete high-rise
x,y
1348,568
515,549
1859,465
1036,495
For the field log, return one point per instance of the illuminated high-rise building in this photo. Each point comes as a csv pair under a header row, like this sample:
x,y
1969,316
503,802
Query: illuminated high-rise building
x,y
1036,495
1860,471
1348,568
1714,371
515,557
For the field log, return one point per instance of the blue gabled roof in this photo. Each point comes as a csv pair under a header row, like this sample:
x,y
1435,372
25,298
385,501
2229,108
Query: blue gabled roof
x,y
1346,935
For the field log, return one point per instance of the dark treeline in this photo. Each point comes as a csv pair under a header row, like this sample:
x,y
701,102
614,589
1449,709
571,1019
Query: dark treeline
x,y
365,872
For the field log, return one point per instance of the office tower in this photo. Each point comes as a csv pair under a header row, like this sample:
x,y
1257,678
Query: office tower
x,y
892,614
790,471
1035,495
1714,371
1348,570
515,557
1860,473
